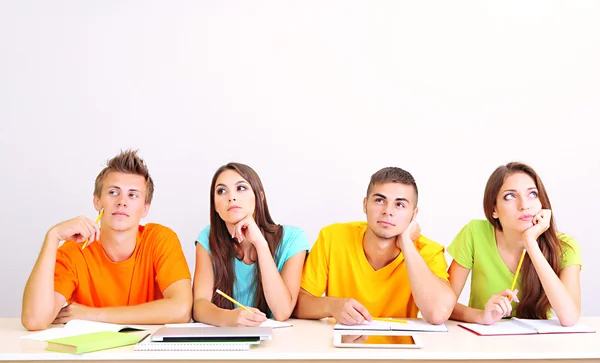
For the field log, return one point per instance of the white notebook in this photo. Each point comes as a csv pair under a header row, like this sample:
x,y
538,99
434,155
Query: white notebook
x,y
516,326
411,325
77,327
269,323
148,345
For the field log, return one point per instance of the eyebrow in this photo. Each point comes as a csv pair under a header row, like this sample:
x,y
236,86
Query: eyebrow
x,y
399,199
237,183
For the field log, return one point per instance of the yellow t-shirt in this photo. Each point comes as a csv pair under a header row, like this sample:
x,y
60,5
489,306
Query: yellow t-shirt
x,y
337,266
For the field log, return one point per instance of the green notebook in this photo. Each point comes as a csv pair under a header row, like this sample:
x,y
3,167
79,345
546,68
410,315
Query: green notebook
x,y
91,342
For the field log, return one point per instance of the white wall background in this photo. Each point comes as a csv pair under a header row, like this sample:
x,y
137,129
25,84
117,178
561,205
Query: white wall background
x,y
315,95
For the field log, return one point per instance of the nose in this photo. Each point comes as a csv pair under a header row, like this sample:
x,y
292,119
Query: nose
x,y
523,204
388,210
122,201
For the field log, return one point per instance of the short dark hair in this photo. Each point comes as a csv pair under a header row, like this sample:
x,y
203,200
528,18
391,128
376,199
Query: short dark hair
x,y
393,174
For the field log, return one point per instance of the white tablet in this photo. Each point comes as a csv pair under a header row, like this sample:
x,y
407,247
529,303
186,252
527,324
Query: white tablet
x,y
375,340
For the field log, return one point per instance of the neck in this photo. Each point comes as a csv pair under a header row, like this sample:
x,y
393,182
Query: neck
x,y
230,228
379,251
245,250
510,241
118,245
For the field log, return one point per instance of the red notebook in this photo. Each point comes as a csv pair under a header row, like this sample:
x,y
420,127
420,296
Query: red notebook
x,y
516,326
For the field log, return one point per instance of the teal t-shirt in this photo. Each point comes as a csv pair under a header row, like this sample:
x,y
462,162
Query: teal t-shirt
x,y
294,240
475,248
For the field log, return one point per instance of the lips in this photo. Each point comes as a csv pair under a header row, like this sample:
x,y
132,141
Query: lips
x,y
387,224
235,207
120,214
526,217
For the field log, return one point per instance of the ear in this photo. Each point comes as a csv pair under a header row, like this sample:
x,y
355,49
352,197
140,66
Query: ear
x,y
365,205
262,197
415,213
97,204
146,210
495,213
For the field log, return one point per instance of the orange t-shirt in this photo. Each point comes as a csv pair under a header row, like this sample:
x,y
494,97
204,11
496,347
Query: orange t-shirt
x,y
90,278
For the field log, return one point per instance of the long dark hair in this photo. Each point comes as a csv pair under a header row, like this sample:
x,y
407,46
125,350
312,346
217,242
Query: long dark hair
x,y
533,303
222,245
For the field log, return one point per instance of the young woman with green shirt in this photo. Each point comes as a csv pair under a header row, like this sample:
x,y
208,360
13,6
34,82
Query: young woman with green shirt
x,y
519,217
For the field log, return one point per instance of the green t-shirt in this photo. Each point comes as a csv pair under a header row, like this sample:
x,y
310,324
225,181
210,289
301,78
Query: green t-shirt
x,y
475,248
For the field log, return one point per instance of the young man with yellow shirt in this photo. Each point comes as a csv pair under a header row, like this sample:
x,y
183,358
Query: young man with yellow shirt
x,y
132,274
381,268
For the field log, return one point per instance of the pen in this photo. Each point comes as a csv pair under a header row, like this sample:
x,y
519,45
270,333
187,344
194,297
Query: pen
x,y
233,300
97,220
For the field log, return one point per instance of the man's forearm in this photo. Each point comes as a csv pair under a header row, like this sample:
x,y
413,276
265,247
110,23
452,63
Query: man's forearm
x,y
311,307
40,288
163,311
434,297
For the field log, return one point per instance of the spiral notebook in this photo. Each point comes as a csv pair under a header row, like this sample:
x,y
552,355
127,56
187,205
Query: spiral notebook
x,y
516,326
269,323
148,345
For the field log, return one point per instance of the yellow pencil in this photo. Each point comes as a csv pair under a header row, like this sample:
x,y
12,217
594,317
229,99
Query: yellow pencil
x,y
391,320
233,300
514,281
97,220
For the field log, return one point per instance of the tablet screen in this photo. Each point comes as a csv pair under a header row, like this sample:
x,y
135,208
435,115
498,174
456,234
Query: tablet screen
x,y
378,339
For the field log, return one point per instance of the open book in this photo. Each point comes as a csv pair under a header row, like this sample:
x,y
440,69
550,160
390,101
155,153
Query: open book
x,y
516,326
411,325
77,327
269,323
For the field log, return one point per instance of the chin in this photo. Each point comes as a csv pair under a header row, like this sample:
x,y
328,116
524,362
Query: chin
x,y
232,219
385,234
121,227
518,227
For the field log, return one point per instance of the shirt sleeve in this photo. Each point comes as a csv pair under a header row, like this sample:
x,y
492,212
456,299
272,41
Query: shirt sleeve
x,y
65,276
461,248
571,252
170,263
294,241
316,268
203,238
438,265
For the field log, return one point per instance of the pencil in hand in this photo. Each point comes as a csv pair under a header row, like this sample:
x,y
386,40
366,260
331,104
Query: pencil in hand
x,y
514,281
233,301
97,220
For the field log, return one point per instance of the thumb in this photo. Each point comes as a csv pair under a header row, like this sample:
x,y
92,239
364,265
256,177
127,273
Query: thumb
x,y
514,295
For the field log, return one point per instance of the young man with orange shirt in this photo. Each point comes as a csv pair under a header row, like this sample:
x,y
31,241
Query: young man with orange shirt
x,y
131,274
381,268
